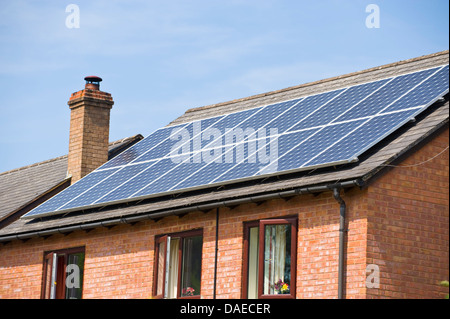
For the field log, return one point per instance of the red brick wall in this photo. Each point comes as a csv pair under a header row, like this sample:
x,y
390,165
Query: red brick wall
x,y
119,262
317,249
408,224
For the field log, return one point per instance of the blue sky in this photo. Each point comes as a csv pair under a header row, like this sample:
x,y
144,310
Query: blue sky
x,y
159,58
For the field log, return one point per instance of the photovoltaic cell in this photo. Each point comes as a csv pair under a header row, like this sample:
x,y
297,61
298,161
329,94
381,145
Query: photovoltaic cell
x,y
71,192
435,86
177,172
148,144
284,143
137,182
269,113
350,98
306,149
387,95
112,181
329,128
170,179
176,135
359,140
232,121
301,111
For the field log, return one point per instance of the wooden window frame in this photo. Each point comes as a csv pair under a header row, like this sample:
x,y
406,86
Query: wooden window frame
x,y
48,265
158,241
245,269
245,258
181,236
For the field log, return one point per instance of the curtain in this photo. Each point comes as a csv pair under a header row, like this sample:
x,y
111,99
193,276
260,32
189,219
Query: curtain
x,y
173,268
274,256
252,289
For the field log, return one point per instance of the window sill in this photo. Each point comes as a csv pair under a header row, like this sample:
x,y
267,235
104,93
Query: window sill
x,y
276,297
190,297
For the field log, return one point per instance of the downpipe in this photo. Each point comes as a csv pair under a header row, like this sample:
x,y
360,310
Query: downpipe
x,y
342,232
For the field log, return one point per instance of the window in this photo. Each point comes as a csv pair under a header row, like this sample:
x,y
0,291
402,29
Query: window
x,y
178,265
63,274
270,258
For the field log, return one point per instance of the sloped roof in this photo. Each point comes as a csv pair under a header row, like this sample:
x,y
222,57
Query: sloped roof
x,y
330,84
370,164
22,186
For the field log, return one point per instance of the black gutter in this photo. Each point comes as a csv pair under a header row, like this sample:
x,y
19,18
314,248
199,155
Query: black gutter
x,y
342,231
180,211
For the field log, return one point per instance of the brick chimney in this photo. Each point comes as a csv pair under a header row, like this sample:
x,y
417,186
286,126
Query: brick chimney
x,y
89,128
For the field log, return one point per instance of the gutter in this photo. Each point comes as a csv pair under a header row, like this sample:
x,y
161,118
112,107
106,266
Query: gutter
x,y
180,211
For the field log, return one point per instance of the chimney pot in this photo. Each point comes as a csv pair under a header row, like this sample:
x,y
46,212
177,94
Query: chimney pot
x,y
93,82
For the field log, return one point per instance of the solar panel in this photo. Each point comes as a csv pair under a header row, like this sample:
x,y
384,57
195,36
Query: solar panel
x,y
71,192
352,96
388,94
320,130
152,143
360,138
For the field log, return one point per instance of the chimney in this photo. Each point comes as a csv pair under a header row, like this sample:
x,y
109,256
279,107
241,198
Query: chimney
x,y
89,128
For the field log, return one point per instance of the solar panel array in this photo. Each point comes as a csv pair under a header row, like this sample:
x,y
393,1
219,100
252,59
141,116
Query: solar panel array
x,y
320,130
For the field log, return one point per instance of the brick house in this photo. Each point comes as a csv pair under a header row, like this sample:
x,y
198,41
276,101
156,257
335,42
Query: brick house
x,y
375,228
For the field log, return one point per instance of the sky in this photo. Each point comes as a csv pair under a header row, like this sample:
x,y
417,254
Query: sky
x,y
160,58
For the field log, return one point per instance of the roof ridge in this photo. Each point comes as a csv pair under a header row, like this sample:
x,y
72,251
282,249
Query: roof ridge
x,y
125,139
402,62
33,165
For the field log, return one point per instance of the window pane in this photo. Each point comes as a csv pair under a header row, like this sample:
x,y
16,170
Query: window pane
x,y
253,248
277,259
191,266
160,275
74,276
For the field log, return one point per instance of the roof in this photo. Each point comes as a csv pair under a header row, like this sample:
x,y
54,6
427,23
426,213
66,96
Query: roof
x,y
371,163
312,88
23,186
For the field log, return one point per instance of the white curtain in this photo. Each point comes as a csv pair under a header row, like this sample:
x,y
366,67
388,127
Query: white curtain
x,y
173,268
274,256
252,291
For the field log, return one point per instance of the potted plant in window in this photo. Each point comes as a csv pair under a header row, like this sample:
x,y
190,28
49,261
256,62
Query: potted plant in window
x,y
281,288
188,292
